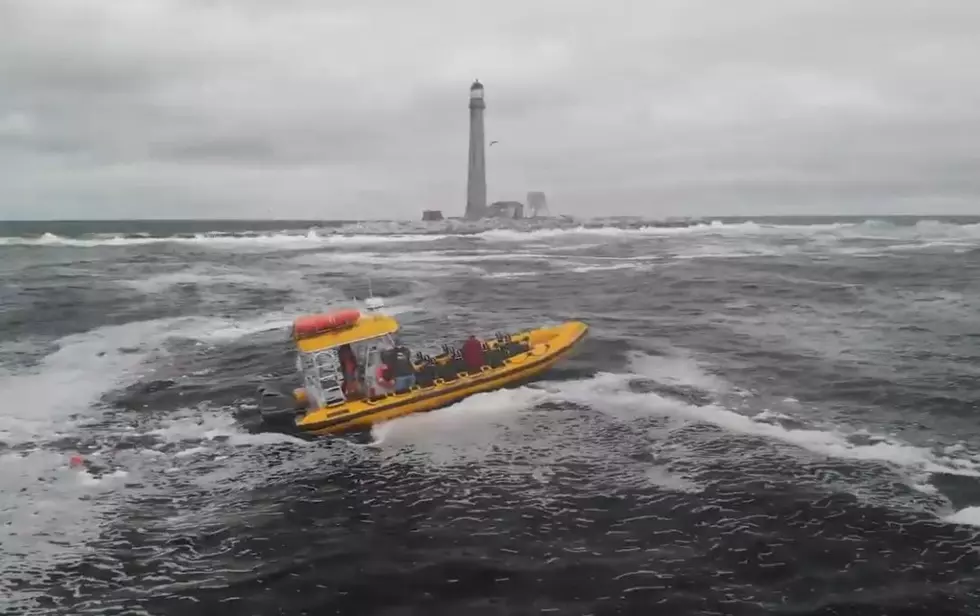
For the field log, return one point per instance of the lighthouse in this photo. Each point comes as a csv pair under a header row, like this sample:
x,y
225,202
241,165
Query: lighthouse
x,y
476,180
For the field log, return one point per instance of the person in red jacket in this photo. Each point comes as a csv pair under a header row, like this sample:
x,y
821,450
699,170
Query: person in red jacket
x,y
472,354
348,364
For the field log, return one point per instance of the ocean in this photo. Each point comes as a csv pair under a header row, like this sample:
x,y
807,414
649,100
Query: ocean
x,y
769,416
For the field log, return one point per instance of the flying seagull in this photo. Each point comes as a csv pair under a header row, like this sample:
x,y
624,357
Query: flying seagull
x,y
493,142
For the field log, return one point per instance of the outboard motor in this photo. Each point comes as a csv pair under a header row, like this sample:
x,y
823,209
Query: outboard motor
x,y
275,408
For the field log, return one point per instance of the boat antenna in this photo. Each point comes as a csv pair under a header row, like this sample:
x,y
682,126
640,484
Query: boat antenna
x,y
373,303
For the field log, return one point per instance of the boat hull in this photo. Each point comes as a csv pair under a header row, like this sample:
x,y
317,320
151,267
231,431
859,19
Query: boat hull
x,y
547,347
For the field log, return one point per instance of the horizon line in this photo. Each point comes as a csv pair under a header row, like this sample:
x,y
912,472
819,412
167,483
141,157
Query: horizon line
x,y
363,220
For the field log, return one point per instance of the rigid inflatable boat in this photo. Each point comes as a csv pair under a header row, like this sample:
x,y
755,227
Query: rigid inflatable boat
x,y
355,374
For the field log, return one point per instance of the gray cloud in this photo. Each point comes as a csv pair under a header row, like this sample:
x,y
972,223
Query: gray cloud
x,y
247,108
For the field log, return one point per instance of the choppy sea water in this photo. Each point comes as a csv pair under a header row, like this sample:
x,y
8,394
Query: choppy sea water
x,y
768,417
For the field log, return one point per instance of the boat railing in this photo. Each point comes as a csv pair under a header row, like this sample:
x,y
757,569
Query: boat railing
x,y
329,377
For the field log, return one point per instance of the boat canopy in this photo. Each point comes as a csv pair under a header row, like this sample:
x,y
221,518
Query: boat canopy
x,y
367,327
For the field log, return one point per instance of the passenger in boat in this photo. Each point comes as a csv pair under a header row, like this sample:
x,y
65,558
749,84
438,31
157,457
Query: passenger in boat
x,y
402,369
377,374
383,379
348,364
396,368
472,354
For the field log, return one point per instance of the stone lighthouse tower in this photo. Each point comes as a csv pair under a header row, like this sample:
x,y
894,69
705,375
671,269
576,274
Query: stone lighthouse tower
x,y
476,180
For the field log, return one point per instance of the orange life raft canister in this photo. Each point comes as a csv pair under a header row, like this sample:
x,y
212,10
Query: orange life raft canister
x,y
316,324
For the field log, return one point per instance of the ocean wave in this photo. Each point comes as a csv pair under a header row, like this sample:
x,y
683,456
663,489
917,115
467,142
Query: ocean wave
x,y
732,378
871,229
55,395
925,229
968,516
281,239
832,441
464,431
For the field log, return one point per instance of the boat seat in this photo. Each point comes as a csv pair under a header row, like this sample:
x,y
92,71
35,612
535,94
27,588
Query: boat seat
x,y
425,375
447,371
494,357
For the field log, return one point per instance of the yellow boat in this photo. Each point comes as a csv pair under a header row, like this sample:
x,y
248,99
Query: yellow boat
x,y
326,404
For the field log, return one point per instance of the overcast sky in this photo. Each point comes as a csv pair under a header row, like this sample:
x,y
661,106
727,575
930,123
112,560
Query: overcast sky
x,y
292,108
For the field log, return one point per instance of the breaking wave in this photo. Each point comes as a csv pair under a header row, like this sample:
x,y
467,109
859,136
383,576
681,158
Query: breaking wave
x,y
515,231
281,239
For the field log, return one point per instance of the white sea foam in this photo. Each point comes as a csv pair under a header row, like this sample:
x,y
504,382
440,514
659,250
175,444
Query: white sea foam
x,y
40,400
203,275
923,230
584,269
509,275
495,424
420,257
968,516
275,240
606,390
610,393
468,428
922,235
40,502
679,367
663,478
201,425
410,265
48,513
732,252
39,492
219,330
192,451
513,235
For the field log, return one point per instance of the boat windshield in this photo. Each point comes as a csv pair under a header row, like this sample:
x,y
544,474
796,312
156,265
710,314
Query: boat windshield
x,y
371,355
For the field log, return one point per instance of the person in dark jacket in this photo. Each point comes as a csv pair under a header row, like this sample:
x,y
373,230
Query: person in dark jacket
x,y
399,369
472,354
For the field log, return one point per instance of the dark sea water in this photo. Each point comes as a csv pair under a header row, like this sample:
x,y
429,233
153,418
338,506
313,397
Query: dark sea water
x,y
777,416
